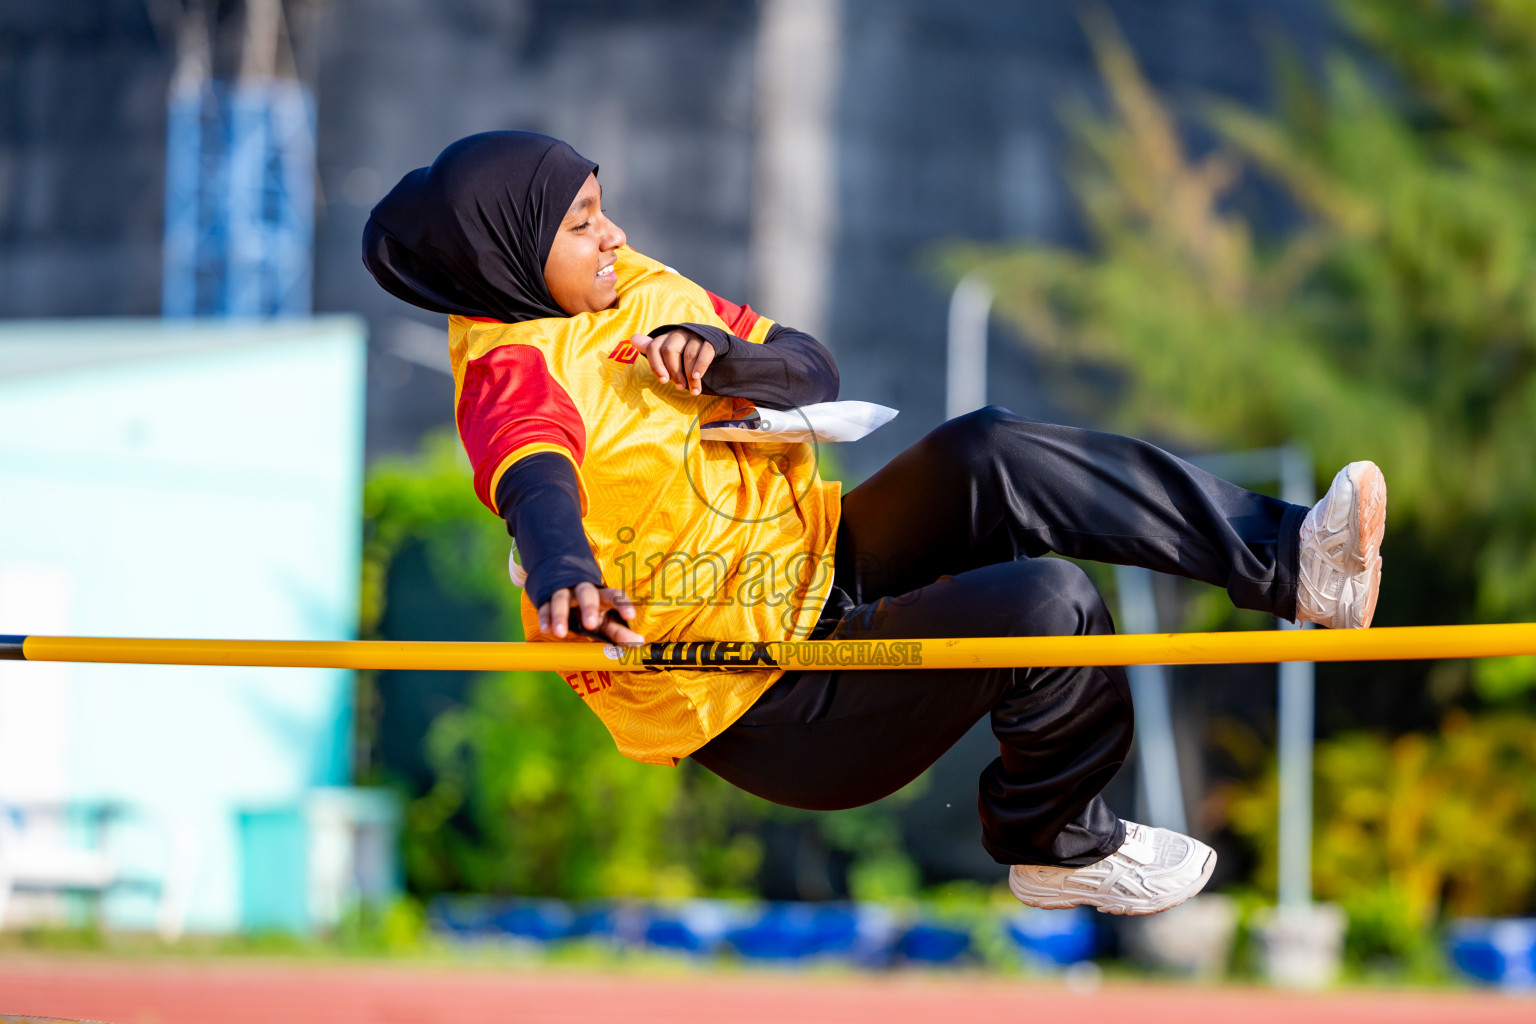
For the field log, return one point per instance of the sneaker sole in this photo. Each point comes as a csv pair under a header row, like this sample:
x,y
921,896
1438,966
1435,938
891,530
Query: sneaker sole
x,y
1124,908
1370,514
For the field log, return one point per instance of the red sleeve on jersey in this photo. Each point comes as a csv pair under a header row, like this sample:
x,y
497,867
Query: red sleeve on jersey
x,y
740,319
509,399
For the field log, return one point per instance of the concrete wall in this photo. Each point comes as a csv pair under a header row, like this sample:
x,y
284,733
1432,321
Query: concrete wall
x,y
82,158
946,127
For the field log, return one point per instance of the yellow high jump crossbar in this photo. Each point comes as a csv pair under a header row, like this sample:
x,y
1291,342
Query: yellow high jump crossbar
x,y
1403,643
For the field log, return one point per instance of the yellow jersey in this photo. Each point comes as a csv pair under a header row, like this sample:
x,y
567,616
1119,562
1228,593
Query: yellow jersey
x,y
712,540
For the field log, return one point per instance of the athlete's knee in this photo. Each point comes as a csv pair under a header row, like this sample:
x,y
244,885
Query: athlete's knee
x,y
1063,600
972,439
982,427
991,433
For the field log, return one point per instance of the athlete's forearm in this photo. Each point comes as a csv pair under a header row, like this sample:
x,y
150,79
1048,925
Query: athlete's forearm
x,y
539,499
789,369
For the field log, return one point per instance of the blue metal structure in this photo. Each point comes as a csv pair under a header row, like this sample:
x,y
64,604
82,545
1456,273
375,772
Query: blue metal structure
x,y
239,199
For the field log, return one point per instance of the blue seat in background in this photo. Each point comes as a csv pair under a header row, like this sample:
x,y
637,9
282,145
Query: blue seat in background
x,y
593,921
867,935
792,931
674,933
531,920
1054,937
1496,951
934,943
694,927
538,920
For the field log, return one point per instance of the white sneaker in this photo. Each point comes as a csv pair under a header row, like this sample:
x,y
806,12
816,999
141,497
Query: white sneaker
x,y
1153,870
1341,550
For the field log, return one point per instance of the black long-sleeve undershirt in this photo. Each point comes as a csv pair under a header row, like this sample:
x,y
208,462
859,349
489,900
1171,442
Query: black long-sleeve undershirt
x,y
540,499
541,502
788,370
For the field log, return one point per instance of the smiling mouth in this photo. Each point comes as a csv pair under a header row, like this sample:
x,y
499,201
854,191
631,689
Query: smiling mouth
x,y
608,273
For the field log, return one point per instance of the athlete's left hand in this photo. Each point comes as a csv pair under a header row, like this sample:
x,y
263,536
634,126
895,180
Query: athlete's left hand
x,y
679,356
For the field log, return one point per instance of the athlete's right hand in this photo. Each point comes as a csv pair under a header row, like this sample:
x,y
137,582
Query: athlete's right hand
x,y
595,603
679,356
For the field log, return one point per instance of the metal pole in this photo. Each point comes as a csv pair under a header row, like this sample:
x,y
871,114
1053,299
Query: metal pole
x,y
970,304
1297,723
1157,753
798,54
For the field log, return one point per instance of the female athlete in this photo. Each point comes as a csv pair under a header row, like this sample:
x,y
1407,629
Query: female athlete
x,y
583,373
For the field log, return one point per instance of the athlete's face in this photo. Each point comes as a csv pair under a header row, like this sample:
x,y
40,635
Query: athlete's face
x,y
579,271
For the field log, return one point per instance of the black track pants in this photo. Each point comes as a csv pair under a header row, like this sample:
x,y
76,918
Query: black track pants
x,y
946,541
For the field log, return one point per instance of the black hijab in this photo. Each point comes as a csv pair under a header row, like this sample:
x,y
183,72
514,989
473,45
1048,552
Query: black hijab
x,y
470,234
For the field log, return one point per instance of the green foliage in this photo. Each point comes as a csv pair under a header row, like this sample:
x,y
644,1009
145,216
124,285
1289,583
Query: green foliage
x,y
1386,939
396,928
1446,819
557,811
1408,830
530,796
430,499
1396,322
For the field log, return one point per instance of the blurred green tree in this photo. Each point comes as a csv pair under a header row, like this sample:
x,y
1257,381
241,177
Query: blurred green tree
x,y
1407,828
1396,321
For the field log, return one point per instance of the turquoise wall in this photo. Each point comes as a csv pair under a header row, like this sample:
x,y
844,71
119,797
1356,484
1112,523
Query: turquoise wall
x,y
181,480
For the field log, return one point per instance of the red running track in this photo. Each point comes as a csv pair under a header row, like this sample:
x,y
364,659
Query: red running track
x,y
221,992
